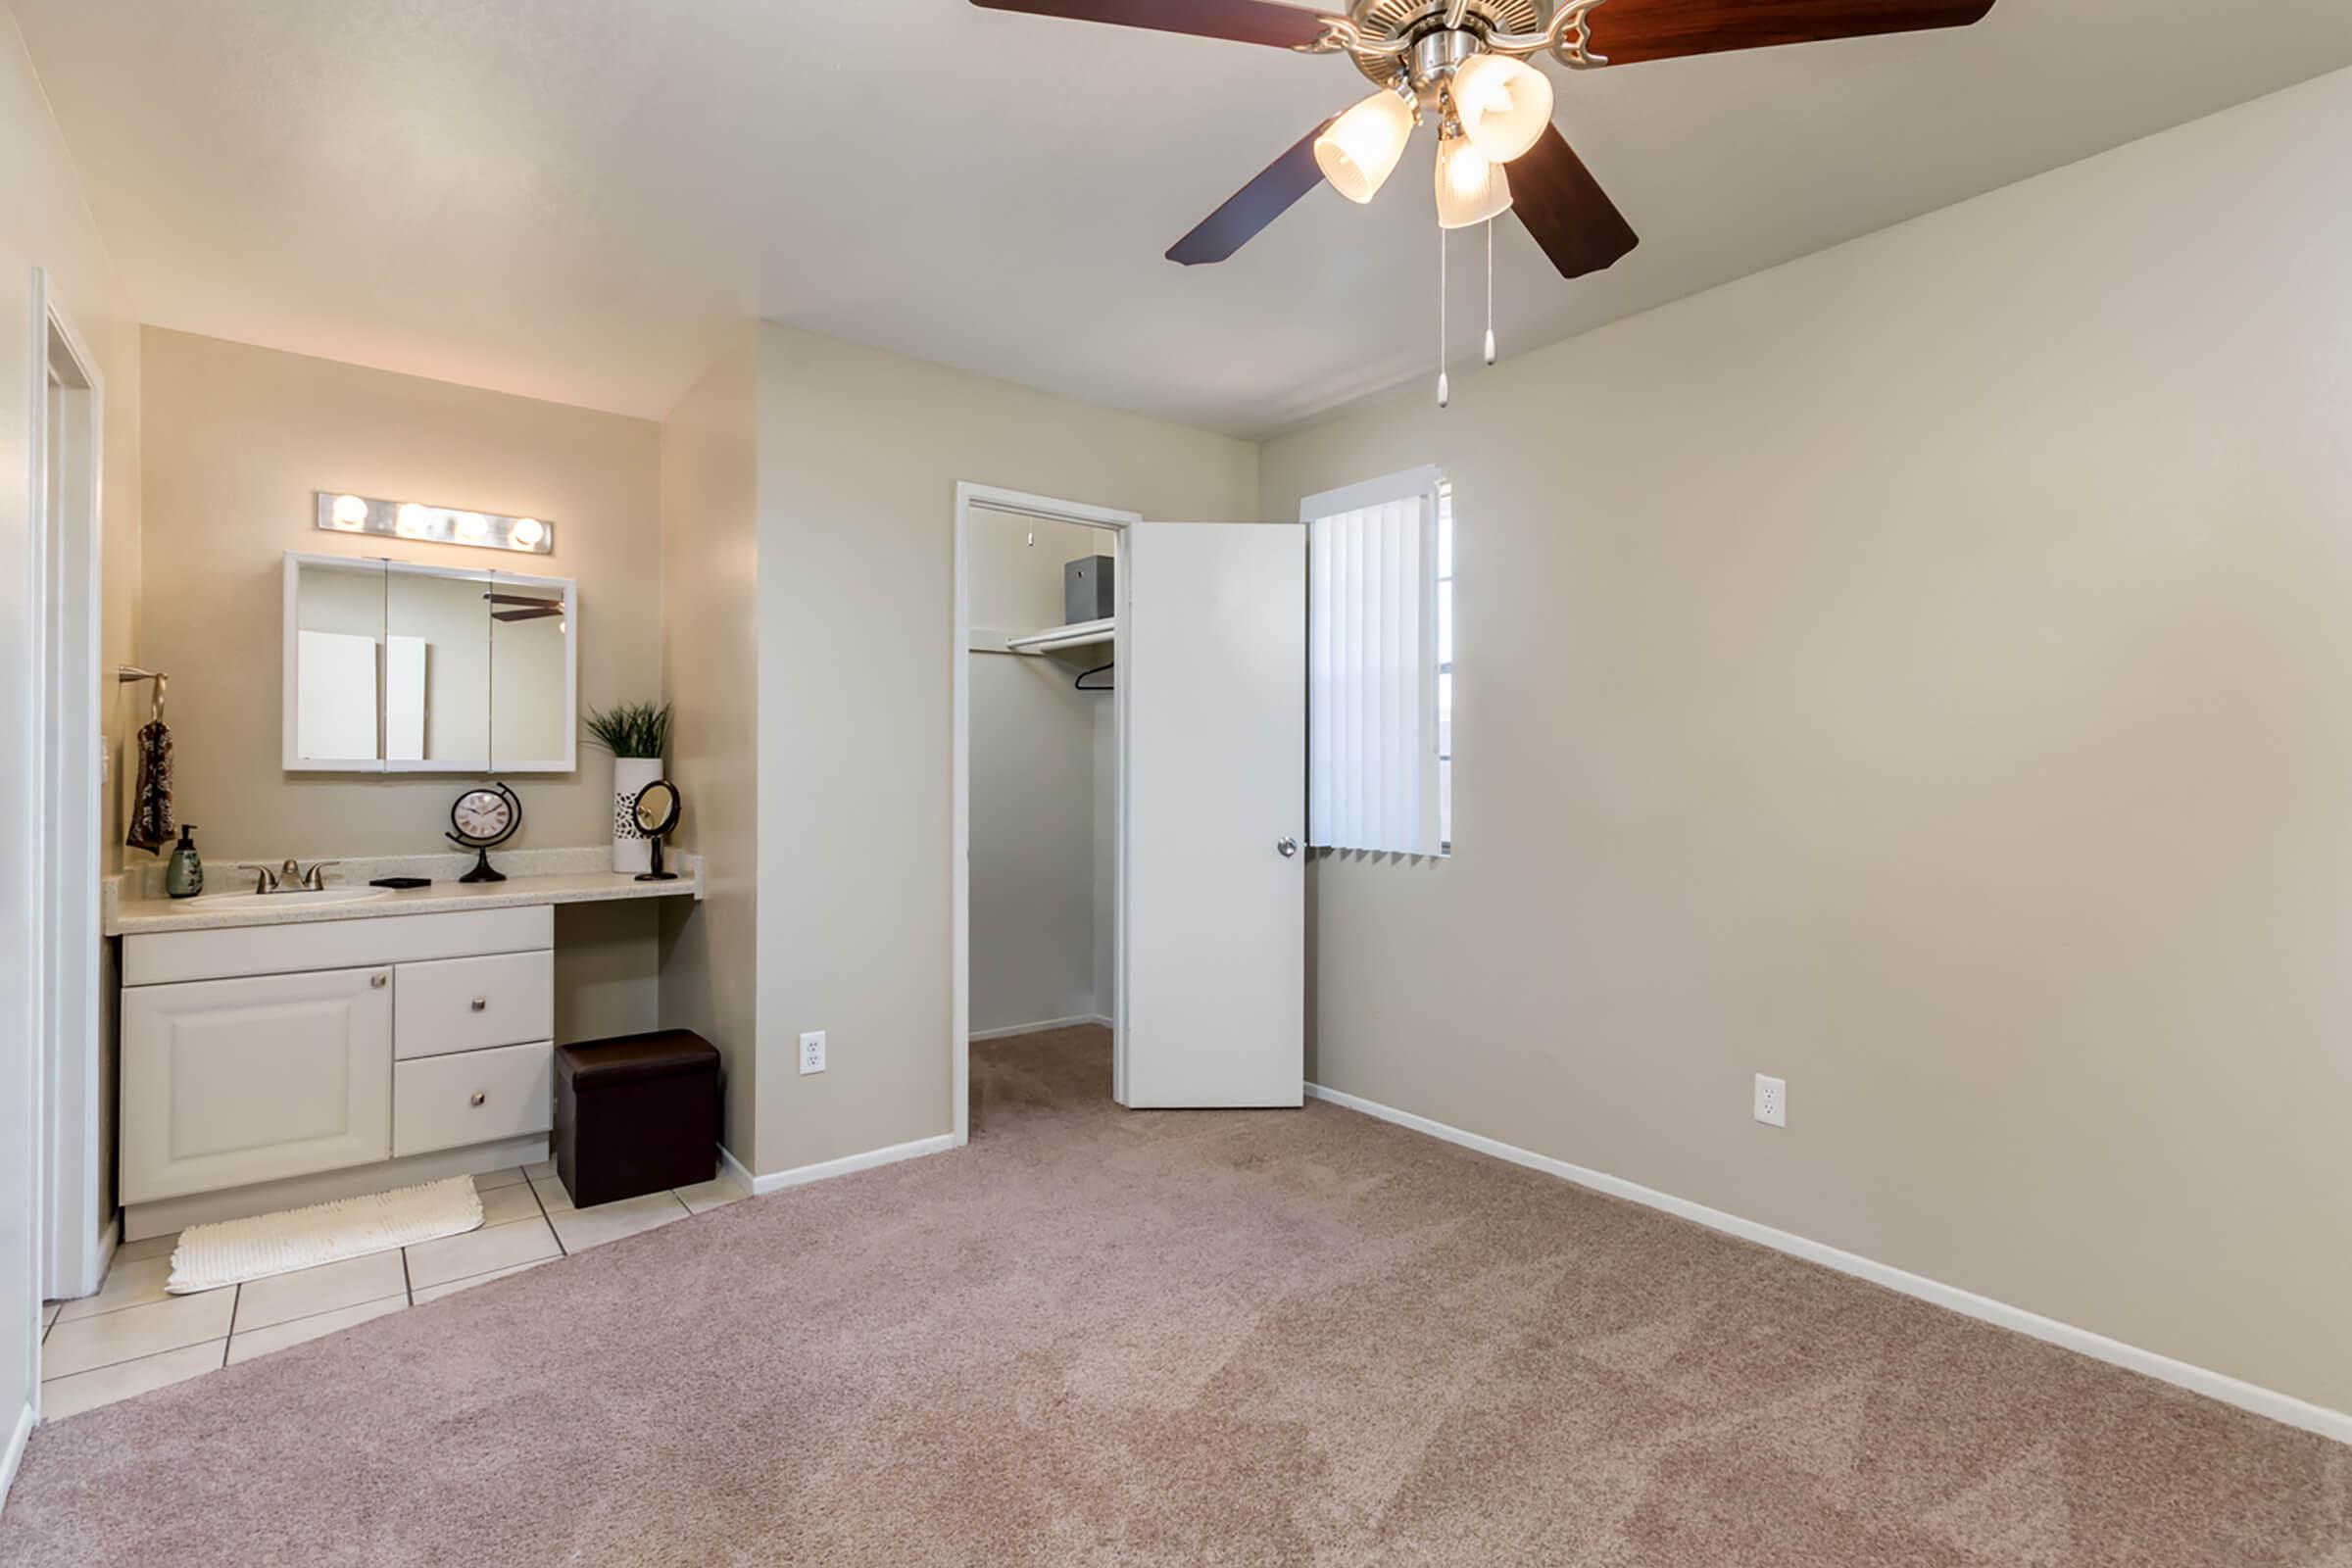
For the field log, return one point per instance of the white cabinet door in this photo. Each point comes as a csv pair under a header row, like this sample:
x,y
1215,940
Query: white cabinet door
x,y
1213,677
228,1082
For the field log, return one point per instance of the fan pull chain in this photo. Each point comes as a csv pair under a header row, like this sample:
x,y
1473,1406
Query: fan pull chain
x,y
1489,291
1444,389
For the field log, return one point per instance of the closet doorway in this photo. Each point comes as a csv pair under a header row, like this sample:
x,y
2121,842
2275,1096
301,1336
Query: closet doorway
x,y
1179,792
1039,754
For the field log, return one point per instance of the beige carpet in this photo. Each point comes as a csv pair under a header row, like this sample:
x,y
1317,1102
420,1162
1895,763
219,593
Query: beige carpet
x,y
1188,1338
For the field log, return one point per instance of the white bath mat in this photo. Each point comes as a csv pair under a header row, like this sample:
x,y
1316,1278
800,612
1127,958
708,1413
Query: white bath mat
x,y
236,1251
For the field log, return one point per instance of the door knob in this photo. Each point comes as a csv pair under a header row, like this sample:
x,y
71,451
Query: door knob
x,y
379,981
479,1097
482,1003
1285,846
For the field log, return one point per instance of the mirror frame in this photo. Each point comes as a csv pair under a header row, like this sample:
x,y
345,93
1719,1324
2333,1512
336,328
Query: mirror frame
x,y
289,645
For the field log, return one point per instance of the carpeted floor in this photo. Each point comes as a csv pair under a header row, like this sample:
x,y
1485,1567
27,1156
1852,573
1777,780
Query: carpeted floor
x,y
1183,1338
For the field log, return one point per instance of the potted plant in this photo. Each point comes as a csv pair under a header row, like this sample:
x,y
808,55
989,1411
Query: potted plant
x,y
636,734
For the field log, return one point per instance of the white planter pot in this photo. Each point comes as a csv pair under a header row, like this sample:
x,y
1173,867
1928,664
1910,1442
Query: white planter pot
x,y
632,851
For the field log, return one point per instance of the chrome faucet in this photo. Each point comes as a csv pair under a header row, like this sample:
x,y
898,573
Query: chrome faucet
x,y
289,877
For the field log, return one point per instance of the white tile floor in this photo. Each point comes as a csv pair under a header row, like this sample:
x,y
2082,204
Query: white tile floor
x,y
130,1337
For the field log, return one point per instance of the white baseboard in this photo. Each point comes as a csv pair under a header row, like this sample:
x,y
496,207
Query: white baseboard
x,y
803,1175
2283,1407
109,1239
14,1455
1009,1030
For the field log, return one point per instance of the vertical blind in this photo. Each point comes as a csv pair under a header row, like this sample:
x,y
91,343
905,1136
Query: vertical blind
x,y
1372,666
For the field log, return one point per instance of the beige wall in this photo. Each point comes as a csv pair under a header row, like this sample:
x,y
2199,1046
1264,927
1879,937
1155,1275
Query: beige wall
x,y
710,573
1033,803
1919,673
241,438
859,453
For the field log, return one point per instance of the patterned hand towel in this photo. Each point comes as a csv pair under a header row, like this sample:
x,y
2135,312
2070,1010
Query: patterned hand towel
x,y
151,825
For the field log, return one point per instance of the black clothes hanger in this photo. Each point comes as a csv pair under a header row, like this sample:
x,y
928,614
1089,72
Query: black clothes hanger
x,y
1098,669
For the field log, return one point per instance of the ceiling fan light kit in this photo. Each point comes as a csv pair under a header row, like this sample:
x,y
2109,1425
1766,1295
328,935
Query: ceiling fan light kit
x,y
1505,104
1472,189
1462,65
1358,151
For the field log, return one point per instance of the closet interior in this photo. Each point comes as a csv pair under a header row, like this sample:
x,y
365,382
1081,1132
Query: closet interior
x,y
1044,773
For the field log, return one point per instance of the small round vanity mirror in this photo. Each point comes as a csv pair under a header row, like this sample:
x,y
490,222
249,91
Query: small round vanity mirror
x,y
656,813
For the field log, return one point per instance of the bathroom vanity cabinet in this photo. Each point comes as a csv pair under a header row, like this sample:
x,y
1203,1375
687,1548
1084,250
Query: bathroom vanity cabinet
x,y
405,1045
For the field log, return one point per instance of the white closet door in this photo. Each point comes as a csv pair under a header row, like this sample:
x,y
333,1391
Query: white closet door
x,y
1213,671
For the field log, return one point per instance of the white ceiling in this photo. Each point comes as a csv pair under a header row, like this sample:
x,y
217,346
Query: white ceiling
x,y
563,198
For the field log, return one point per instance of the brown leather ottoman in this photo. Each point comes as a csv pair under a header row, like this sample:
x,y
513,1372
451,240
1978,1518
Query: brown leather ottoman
x,y
636,1115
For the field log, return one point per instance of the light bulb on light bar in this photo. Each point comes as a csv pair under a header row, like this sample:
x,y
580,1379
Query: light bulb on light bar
x,y
1357,151
1471,188
425,523
1504,103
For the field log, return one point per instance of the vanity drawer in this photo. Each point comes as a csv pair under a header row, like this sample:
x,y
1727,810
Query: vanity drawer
x,y
470,1004
475,1098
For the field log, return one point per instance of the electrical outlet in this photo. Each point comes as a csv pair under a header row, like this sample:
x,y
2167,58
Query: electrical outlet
x,y
1772,1102
813,1051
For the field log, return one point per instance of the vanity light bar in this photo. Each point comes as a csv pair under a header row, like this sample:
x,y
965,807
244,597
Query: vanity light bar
x,y
438,526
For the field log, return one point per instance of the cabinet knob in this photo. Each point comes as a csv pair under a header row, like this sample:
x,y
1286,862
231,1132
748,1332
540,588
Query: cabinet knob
x,y
480,1003
479,1097
379,981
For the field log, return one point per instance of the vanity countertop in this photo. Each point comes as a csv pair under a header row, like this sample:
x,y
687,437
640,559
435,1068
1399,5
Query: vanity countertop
x,y
129,910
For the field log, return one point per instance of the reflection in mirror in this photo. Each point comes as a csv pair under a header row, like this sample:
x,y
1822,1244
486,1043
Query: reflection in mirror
x,y
657,807
395,668
339,628
530,714
437,697
656,813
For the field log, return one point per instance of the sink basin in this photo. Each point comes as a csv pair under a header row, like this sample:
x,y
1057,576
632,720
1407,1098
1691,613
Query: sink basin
x,y
295,899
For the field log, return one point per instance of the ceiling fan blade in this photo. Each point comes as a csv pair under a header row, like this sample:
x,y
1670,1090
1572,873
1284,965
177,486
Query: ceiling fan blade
x,y
1564,207
1265,21
1256,205
1629,31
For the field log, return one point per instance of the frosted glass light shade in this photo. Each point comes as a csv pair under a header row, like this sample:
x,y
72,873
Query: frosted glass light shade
x,y
1504,104
1471,188
1357,151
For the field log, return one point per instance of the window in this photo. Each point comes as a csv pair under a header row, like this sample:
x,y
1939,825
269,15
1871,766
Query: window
x,y
1380,684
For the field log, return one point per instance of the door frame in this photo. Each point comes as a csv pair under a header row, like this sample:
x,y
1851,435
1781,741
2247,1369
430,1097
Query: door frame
x,y
1046,509
65,577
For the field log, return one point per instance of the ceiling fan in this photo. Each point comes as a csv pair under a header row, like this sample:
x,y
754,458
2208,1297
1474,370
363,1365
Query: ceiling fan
x,y
537,609
1462,65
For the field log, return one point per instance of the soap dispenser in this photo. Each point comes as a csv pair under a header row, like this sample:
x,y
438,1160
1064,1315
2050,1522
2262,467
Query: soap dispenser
x,y
183,878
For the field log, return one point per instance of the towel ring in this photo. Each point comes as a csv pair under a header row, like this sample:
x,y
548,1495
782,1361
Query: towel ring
x,y
127,673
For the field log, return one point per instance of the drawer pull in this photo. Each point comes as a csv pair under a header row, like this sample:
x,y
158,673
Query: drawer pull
x,y
379,981
482,1003
479,1097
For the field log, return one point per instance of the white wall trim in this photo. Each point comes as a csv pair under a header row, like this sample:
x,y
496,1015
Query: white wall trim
x,y
2283,1407
959,767
1039,1027
824,1170
69,697
17,1436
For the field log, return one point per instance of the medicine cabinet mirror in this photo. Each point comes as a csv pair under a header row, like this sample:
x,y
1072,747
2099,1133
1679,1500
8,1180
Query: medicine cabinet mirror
x,y
398,669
